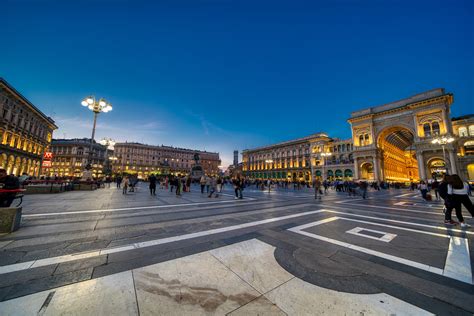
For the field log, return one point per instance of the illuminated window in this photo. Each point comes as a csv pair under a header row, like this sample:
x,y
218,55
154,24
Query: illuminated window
x,y
471,130
462,131
435,128
427,129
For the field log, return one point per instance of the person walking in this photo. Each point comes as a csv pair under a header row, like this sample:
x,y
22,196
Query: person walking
x,y
152,179
202,182
219,184
177,183
118,181
124,184
237,182
188,183
459,192
435,187
317,189
363,188
448,202
213,185
208,184
423,189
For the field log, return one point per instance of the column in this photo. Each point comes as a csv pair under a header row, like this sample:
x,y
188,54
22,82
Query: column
x,y
376,168
452,160
421,165
356,169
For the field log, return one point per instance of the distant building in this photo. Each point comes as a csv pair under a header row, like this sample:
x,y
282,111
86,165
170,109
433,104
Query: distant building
x,y
70,156
25,132
302,159
142,160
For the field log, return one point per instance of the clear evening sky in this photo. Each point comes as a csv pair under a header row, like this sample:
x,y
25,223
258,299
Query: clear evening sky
x,y
223,75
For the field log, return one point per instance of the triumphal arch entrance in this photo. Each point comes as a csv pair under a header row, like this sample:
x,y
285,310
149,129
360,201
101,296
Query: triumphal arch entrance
x,y
393,142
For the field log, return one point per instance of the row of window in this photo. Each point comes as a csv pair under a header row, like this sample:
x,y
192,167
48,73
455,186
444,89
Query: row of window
x,y
21,143
464,132
15,114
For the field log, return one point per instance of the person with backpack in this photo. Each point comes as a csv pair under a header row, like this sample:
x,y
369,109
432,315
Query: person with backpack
x,y
459,194
448,202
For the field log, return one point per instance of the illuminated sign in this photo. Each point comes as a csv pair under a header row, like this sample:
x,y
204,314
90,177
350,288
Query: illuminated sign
x,y
48,155
46,164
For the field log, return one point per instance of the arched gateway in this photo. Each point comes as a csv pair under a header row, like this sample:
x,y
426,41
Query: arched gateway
x,y
393,142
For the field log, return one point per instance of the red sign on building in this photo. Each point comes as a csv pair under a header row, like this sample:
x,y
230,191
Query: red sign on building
x,y
48,155
46,164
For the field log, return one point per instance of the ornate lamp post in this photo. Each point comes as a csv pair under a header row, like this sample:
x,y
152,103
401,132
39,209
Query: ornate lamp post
x,y
443,141
325,157
269,161
97,107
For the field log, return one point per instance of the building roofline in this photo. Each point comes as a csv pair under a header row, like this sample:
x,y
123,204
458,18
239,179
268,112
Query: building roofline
x,y
165,147
463,117
320,134
44,116
430,94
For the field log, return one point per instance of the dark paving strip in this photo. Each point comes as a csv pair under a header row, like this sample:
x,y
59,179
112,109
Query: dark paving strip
x,y
70,228
166,229
348,271
78,218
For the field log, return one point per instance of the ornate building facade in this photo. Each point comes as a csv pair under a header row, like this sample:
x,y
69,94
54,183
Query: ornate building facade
x,y
70,156
394,142
142,159
302,159
25,132
463,129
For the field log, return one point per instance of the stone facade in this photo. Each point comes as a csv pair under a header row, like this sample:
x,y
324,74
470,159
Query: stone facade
x,y
394,142
142,159
463,129
70,156
303,159
25,132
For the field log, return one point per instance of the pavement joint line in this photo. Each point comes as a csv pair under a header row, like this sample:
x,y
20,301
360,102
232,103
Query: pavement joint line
x,y
459,274
399,209
135,208
72,257
402,222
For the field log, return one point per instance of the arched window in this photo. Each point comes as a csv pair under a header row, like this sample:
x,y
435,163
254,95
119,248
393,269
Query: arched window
x,y
471,130
427,129
462,131
435,128
361,140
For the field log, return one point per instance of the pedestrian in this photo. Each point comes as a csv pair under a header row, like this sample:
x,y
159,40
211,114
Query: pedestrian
x,y
317,189
202,182
188,183
8,182
118,181
208,184
435,187
152,179
423,189
458,190
237,182
219,184
213,187
125,183
448,202
363,188
177,183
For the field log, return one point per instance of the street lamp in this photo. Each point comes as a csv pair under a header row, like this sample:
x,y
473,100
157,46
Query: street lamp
x,y
443,141
325,156
269,161
96,106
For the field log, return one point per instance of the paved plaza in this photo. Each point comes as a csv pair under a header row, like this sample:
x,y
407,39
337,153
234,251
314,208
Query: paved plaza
x,y
272,253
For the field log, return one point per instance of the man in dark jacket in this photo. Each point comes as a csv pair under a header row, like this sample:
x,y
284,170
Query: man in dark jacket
x,y
7,183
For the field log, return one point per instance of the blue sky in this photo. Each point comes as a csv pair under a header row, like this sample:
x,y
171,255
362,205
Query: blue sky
x,y
223,75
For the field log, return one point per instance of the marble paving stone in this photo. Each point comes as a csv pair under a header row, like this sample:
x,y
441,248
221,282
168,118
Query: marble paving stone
x,y
261,307
110,295
250,261
193,285
298,297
